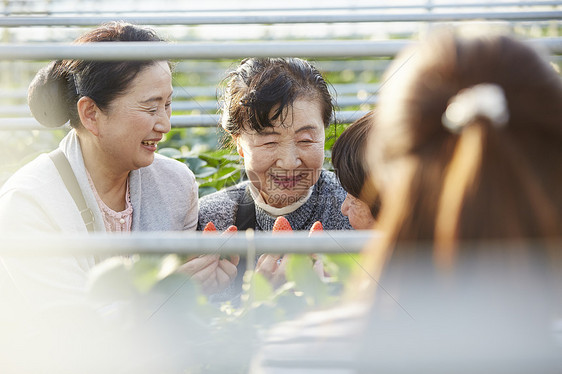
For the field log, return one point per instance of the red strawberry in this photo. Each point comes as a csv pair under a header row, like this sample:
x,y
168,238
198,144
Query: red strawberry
x,y
316,227
210,227
281,224
230,230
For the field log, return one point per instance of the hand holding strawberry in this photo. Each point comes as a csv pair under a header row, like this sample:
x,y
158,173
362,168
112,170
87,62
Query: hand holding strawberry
x,y
273,266
211,271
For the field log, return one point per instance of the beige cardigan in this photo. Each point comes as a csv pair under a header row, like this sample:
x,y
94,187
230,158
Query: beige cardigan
x,y
35,200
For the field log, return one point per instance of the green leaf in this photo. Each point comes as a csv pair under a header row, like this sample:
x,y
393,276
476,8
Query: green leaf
x,y
178,286
341,265
290,304
299,270
206,190
194,163
261,288
170,152
205,172
210,160
227,173
144,273
217,157
173,298
232,157
111,281
148,270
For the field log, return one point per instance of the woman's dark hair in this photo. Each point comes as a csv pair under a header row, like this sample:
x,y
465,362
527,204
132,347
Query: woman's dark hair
x,y
260,85
349,160
56,89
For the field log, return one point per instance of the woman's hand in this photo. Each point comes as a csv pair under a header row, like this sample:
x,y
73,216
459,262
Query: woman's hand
x,y
272,267
318,266
211,272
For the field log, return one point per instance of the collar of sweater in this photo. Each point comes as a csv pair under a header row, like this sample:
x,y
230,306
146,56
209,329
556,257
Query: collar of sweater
x,y
273,211
301,218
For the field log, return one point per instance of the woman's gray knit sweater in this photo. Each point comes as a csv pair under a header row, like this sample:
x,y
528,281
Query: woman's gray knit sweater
x,y
323,205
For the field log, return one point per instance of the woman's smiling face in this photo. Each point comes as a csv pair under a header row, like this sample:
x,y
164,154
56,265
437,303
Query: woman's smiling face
x,y
137,120
285,160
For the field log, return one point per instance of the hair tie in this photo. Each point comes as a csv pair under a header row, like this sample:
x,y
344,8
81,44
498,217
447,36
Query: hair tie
x,y
484,100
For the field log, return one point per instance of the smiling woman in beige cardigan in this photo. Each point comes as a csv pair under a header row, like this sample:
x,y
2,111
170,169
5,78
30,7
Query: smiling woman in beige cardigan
x,y
119,111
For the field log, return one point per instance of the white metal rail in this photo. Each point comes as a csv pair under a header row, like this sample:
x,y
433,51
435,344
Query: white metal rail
x,y
202,50
292,17
207,106
219,50
178,121
184,243
211,91
427,6
196,242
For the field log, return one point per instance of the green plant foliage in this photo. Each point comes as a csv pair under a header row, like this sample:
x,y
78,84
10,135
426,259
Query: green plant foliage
x,y
341,266
300,271
148,299
261,288
214,170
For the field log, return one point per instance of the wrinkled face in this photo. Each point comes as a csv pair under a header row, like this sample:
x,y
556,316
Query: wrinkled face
x,y
130,130
358,213
285,160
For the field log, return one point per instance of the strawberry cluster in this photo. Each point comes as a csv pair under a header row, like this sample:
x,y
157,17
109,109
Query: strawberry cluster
x,y
281,224
211,228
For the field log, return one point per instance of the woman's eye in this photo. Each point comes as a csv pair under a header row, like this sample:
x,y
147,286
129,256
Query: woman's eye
x,y
305,141
270,143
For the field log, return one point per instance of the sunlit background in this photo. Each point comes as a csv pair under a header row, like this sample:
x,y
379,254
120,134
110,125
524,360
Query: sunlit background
x,y
355,80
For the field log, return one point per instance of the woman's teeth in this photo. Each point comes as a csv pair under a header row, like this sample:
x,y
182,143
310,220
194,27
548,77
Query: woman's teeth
x,y
149,142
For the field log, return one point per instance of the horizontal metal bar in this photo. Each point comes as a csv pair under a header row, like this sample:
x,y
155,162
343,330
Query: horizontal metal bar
x,y
301,9
195,120
213,105
200,50
213,68
209,106
15,110
178,121
184,243
248,17
218,50
211,91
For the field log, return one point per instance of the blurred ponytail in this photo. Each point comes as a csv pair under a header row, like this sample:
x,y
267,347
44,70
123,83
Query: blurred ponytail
x,y
460,178
474,171
489,180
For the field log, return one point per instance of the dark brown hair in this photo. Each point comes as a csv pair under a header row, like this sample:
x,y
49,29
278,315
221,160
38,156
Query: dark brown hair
x,y
485,181
260,85
56,89
349,160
